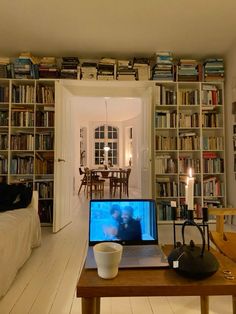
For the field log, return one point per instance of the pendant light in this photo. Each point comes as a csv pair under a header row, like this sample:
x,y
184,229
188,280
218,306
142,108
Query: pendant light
x,y
106,147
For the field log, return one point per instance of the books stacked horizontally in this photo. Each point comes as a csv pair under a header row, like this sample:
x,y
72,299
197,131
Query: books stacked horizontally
x,y
5,67
125,71
213,70
188,70
69,68
106,69
163,69
48,68
89,71
142,67
26,66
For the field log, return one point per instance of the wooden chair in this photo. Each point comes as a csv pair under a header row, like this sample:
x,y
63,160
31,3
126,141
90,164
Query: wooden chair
x,y
83,180
224,241
121,182
95,185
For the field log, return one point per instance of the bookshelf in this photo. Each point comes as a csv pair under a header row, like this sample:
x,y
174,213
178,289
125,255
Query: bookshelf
x,y
27,137
188,132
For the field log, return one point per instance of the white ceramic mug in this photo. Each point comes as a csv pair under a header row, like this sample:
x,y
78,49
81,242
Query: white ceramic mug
x,y
107,256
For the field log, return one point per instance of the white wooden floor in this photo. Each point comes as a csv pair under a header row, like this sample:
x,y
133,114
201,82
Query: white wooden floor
x,y
47,281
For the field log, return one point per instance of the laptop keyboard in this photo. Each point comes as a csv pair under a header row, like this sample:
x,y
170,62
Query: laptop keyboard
x,y
140,251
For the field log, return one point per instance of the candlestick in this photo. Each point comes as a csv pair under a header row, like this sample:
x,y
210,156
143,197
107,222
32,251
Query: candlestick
x,y
190,192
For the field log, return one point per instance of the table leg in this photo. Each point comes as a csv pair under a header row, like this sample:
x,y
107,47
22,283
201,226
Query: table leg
x,y
234,303
91,305
204,304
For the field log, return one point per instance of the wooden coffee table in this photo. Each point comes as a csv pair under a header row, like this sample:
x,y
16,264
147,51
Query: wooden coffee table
x,y
155,282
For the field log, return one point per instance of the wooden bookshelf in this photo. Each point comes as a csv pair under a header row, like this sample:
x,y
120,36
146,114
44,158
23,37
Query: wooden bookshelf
x,y
188,132
27,137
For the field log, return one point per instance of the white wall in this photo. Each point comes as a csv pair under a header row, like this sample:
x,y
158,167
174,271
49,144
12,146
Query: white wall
x,y
135,123
230,70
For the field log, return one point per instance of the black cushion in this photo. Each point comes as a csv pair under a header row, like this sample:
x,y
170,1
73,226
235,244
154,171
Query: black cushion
x,y
14,196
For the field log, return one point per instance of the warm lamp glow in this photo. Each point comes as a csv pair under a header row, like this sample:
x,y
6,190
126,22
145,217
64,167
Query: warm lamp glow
x,y
106,148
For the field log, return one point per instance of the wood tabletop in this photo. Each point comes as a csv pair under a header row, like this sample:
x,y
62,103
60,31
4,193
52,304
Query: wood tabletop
x,y
157,282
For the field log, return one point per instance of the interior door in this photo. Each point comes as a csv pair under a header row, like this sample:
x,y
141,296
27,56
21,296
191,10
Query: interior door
x,y
63,178
146,147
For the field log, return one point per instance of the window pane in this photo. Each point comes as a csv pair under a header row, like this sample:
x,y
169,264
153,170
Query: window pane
x,y
96,145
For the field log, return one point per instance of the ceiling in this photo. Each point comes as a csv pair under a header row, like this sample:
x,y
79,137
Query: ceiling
x,y
118,108
124,28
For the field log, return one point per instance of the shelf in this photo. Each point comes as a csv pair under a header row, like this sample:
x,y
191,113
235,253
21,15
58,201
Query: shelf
x,y
199,124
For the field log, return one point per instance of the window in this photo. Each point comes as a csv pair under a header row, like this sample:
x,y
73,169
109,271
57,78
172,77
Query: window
x,y
106,134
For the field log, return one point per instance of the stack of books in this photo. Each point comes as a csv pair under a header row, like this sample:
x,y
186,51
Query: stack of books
x,y
48,68
89,71
188,70
106,69
213,70
163,69
125,71
5,67
69,68
142,67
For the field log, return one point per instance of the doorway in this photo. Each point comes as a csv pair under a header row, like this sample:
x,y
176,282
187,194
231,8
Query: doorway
x,y
131,105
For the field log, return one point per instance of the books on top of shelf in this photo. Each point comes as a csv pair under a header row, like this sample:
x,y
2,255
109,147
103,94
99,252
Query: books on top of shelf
x,y
48,68
69,67
163,68
142,67
214,69
5,67
125,71
106,69
188,70
89,70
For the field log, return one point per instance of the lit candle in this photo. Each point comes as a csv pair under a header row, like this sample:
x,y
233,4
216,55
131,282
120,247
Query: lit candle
x,y
190,191
186,193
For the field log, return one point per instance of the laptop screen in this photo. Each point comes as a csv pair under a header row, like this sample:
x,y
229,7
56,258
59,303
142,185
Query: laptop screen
x,y
123,220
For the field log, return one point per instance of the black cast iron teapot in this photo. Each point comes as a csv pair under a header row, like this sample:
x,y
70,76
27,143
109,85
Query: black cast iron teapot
x,y
193,261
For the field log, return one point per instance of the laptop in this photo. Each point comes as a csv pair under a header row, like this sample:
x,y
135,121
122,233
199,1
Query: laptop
x,y
130,222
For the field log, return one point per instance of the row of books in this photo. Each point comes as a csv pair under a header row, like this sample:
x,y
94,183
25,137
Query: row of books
x,y
4,118
166,189
213,165
4,93
213,143
45,118
165,119
165,164
188,97
188,120
46,211
165,96
211,95
166,142
45,189
188,162
44,141
44,163
189,142
22,118
3,165
211,120
213,187
22,164
160,66
22,141
3,141
23,93
45,94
